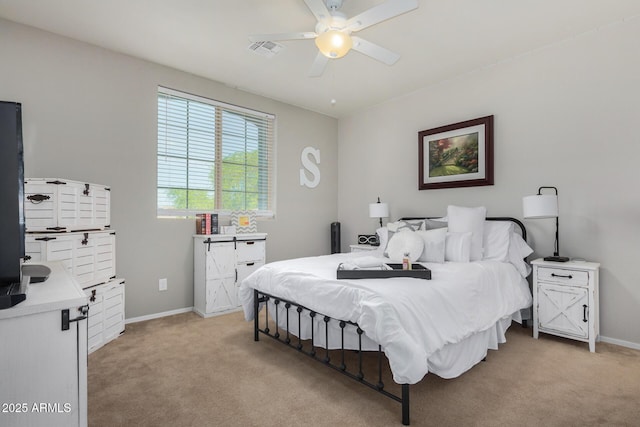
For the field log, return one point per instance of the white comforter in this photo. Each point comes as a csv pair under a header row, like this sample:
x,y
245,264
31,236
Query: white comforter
x,y
410,318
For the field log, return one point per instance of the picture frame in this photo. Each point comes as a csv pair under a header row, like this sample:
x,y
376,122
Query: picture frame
x,y
456,155
244,221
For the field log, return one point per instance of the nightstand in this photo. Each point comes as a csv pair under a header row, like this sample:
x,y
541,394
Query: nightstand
x,y
363,248
565,300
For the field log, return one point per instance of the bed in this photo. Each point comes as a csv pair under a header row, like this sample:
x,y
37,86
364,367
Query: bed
x,y
443,326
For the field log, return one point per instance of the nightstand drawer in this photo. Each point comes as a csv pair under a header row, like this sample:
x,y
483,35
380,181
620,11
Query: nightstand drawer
x,y
563,276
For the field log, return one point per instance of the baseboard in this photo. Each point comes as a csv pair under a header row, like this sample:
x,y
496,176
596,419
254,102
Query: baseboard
x,y
621,343
158,315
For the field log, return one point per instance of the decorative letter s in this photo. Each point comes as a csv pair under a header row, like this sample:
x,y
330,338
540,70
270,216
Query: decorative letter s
x,y
310,166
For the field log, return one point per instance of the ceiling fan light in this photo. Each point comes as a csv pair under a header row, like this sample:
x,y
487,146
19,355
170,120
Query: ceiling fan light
x,y
334,44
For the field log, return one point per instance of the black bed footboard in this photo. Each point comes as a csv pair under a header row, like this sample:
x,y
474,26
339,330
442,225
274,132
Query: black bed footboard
x,y
294,312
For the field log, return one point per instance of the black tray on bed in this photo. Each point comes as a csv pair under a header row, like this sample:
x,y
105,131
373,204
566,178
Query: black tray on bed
x,y
418,271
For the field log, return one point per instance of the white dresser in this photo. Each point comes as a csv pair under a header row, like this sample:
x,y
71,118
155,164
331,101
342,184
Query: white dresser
x,y
220,263
565,300
43,357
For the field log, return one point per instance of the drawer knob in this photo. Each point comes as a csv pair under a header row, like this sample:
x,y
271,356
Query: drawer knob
x,y
568,276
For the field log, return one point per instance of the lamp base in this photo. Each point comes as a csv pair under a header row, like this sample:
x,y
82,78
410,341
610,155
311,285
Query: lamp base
x,y
556,258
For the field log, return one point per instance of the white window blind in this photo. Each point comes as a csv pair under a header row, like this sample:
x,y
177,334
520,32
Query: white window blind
x,y
213,157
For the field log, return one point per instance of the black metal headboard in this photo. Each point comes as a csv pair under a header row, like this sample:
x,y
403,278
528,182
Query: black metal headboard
x,y
490,218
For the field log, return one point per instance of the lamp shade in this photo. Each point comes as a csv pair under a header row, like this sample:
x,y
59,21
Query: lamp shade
x,y
334,43
540,206
378,210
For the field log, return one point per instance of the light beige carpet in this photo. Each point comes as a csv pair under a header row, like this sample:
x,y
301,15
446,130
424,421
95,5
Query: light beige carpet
x,y
187,371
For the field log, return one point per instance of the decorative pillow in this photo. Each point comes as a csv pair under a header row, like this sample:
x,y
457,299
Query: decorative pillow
x,y
458,247
402,243
462,220
434,244
518,250
398,226
496,240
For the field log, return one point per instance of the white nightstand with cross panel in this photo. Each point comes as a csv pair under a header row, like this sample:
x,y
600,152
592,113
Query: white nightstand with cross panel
x,y
565,300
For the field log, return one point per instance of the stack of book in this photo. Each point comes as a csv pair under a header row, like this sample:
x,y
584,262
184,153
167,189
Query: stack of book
x,y
207,223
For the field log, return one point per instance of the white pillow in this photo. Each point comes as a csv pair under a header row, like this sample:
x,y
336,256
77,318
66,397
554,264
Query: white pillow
x,y
462,220
518,250
402,243
383,237
458,247
434,244
496,240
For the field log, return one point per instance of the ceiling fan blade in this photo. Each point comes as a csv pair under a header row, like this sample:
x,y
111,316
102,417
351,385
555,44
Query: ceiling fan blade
x,y
318,65
373,50
319,10
282,36
382,12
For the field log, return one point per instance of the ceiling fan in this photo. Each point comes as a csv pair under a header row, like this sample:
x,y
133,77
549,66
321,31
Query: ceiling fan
x,y
333,31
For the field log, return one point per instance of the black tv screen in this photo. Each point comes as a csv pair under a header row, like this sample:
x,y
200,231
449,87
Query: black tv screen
x,y
11,193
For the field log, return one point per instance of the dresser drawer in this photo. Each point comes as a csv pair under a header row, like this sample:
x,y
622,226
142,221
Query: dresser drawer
x,y
250,250
563,276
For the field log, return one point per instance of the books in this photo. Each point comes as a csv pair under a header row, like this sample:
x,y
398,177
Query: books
x,y
207,223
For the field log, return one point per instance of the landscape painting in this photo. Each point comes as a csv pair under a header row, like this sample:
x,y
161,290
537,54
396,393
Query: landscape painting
x,y
457,155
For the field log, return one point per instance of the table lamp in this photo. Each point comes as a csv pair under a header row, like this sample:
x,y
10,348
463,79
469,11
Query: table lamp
x,y
379,210
545,206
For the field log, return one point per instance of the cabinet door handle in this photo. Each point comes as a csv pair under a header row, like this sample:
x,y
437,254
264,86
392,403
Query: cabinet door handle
x,y
568,276
84,310
584,313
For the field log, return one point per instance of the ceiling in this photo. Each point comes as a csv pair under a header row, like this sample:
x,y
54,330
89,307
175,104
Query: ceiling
x,y
438,41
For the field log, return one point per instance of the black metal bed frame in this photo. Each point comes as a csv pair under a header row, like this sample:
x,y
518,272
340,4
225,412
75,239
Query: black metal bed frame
x,y
262,297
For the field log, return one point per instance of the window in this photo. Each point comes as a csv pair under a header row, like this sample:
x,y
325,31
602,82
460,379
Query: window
x,y
213,157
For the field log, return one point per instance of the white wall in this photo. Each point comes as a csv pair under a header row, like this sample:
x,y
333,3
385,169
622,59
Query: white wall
x,y
90,115
565,116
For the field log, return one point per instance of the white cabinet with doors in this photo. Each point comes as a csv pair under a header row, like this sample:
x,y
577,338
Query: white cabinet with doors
x,y
43,355
220,263
565,300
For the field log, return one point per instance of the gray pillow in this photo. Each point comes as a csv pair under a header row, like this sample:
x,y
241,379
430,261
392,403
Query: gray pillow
x,y
432,224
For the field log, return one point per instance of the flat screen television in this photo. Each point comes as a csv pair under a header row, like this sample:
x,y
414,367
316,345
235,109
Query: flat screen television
x,y
12,228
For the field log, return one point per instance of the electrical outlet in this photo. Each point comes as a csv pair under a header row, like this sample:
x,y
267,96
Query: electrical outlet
x,y
162,284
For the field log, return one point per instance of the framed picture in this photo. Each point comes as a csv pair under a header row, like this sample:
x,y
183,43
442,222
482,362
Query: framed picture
x,y
244,221
457,155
